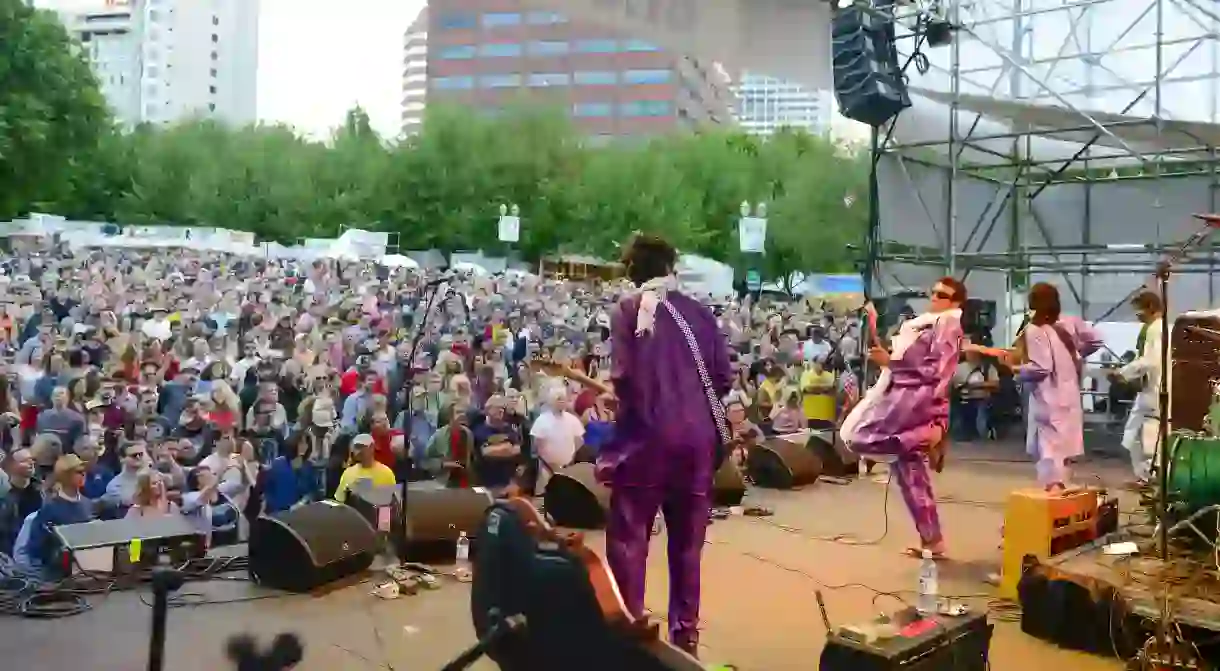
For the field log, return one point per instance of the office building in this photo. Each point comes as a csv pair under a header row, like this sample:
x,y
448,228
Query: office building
x,y
160,61
488,54
415,74
765,104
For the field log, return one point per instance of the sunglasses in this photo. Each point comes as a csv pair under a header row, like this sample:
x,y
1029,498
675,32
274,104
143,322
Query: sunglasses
x,y
942,295
136,455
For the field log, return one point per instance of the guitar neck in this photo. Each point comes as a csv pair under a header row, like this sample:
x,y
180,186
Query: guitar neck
x,y
585,380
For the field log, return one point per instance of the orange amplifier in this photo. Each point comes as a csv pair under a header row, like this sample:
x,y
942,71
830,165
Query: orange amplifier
x,y
1044,524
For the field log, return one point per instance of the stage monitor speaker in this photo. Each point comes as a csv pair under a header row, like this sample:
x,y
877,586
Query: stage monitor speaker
x,y
868,82
436,516
837,460
306,548
574,498
781,464
728,485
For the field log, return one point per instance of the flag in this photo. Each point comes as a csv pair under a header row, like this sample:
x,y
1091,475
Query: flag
x,y
851,389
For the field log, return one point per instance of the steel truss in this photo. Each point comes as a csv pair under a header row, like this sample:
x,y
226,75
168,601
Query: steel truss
x,y
1087,196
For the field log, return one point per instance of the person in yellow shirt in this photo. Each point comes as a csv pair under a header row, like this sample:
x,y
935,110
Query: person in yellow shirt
x,y
818,394
366,468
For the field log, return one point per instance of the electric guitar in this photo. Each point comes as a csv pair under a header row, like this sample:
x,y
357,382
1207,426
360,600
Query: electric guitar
x,y
556,369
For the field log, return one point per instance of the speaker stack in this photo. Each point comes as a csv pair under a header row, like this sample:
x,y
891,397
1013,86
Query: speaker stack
x,y
868,82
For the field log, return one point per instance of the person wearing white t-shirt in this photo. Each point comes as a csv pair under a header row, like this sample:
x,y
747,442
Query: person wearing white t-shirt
x,y
557,435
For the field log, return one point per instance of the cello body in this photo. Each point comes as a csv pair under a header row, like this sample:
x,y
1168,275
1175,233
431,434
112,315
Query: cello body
x,y
575,615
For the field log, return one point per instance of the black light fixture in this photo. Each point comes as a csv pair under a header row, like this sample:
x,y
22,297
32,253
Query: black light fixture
x,y
936,28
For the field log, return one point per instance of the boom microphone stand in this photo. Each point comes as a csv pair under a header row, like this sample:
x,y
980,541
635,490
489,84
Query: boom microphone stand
x,y
408,384
164,581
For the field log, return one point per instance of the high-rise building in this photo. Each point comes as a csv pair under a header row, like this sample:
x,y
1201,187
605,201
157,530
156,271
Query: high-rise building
x,y
765,104
159,61
415,74
487,54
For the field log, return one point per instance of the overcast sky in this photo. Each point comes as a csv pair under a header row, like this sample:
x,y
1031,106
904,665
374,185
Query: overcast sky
x,y
318,58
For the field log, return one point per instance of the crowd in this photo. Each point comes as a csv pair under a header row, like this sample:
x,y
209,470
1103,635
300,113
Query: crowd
x,y
143,383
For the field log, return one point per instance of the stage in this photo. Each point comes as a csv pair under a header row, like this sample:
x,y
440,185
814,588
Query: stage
x,y
759,577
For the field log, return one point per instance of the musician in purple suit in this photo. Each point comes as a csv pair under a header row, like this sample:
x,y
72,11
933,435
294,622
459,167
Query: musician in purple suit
x,y
663,451
1055,348
903,418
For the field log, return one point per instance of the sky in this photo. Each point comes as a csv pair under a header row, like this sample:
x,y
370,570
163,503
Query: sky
x,y
319,58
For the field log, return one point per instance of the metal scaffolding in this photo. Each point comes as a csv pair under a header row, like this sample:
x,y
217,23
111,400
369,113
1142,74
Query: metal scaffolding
x,y
1054,140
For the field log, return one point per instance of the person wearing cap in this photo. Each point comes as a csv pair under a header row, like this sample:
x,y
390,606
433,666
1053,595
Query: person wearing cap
x,y
64,505
366,468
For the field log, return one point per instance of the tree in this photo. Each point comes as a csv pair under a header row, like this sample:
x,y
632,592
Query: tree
x,y
53,118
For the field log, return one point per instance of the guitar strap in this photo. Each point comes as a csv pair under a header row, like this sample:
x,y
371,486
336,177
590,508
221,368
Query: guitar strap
x,y
713,400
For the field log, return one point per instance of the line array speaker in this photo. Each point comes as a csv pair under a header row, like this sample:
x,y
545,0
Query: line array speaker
x,y
868,83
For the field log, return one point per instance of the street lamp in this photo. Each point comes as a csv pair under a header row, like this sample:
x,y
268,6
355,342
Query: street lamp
x,y
752,238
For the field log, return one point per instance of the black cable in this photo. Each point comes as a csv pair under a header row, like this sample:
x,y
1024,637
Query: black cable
x,y
22,595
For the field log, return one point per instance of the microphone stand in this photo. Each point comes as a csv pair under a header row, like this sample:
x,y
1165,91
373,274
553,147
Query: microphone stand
x,y
164,581
502,629
408,386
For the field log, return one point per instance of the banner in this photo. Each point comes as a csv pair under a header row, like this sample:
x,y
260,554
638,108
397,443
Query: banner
x,y
510,229
752,234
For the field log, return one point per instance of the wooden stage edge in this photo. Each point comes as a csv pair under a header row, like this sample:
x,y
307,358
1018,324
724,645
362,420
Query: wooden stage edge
x,y
1138,580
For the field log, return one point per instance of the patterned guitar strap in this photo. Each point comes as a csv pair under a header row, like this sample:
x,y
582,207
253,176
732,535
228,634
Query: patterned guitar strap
x,y
713,401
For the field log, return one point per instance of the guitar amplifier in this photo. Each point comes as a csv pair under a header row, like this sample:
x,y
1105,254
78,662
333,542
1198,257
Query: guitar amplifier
x,y
910,642
1043,524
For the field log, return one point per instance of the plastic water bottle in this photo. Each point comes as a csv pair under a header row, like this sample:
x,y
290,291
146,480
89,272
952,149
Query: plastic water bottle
x,y
463,553
929,585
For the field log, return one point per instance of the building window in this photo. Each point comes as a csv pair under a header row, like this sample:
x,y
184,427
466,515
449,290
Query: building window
x,y
449,83
592,109
646,76
549,79
597,46
545,18
595,78
639,45
212,90
647,108
215,55
548,48
152,71
499,19
211,107
216,20
153,15
459,52
501,50
213,72
500,81
150,110
215,37
456,21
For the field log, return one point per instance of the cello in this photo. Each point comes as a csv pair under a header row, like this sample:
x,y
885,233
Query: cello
x,y
567,594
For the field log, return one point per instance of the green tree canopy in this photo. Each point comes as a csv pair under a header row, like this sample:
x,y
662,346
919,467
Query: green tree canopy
x,y
53,119
441,188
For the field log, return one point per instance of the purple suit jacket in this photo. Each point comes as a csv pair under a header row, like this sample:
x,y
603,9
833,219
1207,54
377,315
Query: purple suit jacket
x,y
664,433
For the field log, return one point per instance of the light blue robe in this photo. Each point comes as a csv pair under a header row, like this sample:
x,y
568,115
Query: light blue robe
x,y
1055,424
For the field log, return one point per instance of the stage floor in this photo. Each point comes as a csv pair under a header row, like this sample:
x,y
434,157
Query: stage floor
x,y
759,578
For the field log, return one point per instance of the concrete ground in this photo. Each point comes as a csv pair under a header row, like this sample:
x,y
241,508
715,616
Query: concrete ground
x,y
759,578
